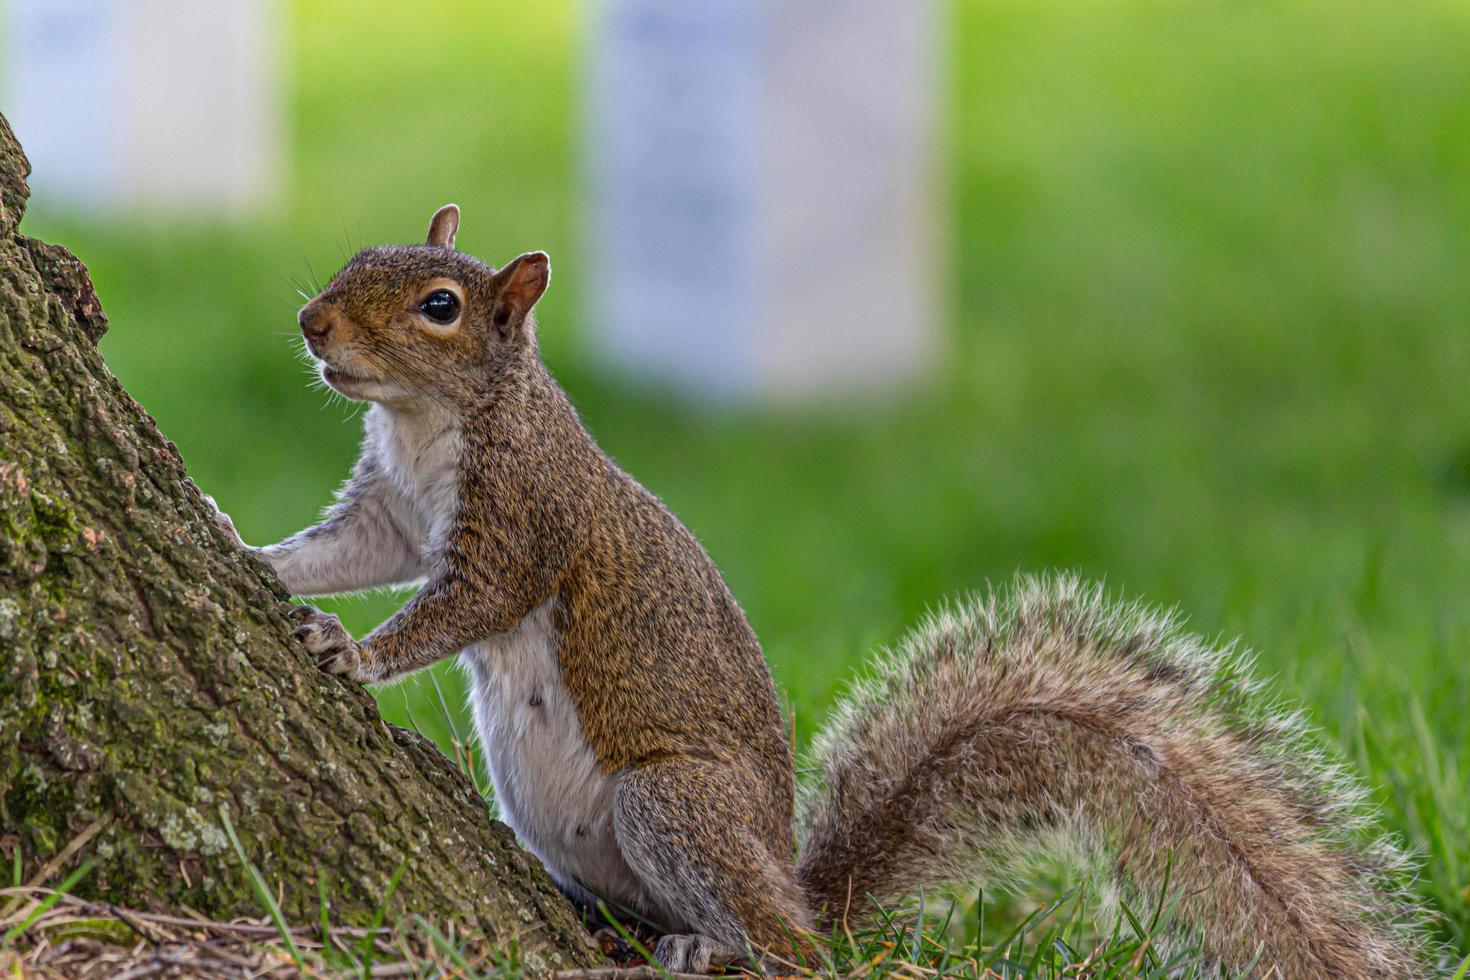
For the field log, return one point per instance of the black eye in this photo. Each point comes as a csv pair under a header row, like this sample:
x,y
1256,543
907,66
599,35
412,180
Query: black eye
x,y
441,306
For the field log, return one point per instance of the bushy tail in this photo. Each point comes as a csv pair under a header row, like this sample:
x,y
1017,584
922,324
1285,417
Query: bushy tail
x,y
1013,720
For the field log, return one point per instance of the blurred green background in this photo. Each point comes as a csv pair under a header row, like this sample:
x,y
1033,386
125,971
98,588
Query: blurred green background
x,y
1209,340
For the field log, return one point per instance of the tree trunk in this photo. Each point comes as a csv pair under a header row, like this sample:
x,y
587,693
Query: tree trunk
x,y
150,689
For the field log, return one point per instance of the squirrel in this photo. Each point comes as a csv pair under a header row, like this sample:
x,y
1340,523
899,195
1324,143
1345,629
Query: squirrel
x,y
633,733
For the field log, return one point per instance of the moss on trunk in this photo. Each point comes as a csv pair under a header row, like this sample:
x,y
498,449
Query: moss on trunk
x,y
148,681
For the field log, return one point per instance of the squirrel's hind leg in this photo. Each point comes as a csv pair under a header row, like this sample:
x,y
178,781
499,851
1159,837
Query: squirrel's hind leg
x,y
683,831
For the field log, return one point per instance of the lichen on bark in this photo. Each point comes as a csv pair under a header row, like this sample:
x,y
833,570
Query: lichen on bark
x,y
149,684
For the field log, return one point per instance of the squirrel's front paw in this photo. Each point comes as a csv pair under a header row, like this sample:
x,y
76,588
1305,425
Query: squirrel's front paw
x,y
327,640
223,522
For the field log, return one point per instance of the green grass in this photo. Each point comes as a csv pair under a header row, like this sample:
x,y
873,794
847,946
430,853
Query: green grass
x,y
57,932
1209,340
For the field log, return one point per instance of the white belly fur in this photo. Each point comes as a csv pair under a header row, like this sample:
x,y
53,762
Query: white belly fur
x,y
547,781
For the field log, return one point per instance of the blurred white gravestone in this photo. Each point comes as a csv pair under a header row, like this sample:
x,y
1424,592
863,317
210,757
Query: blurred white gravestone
x,y
763,182
158,105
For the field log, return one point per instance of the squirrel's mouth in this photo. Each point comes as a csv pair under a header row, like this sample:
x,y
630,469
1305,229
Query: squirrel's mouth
x,y
335,376
358,387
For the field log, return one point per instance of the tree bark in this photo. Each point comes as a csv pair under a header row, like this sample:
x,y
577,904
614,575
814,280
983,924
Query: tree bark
x,y
149,686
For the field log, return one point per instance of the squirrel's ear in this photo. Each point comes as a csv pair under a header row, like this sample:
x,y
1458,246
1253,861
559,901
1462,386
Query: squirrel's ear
x,y
521,284
443,226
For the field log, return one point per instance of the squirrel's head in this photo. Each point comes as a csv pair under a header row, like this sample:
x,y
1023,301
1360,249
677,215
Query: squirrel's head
x,y
421,323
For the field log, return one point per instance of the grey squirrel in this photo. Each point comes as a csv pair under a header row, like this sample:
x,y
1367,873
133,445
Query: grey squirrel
x,y
633,733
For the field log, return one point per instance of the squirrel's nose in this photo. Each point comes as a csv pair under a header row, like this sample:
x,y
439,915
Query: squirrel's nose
x,y
315,321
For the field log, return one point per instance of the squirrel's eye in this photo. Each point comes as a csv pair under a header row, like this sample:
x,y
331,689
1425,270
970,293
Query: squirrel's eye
x,y
441,306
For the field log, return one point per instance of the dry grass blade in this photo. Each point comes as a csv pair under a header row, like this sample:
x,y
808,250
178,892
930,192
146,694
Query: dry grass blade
x,y
59,861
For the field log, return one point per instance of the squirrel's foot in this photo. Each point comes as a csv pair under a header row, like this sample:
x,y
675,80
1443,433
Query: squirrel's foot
x,y
689,953
223,522
327,640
